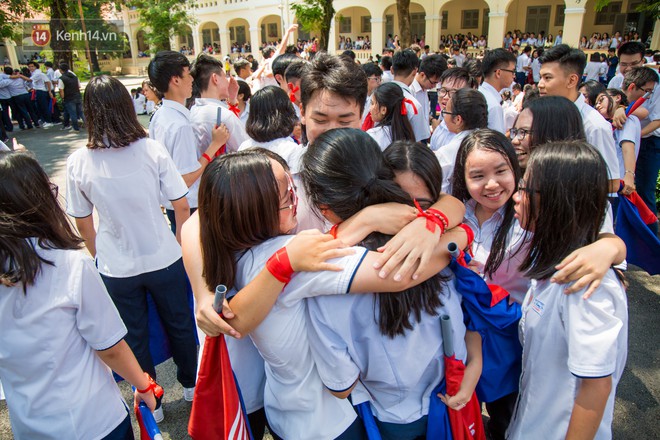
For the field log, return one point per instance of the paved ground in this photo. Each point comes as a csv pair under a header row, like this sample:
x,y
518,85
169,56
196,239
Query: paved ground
x,y
637,408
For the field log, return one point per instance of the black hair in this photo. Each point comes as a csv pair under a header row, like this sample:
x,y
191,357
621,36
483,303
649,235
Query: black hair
x,y
164,66
550,112
404,62
390,96
64,67
386,62
347,179
335,75
639,76
611,104
296,70
244,89
371,69
527,49
569,59
489,140
8,70
594,57
496,59
349,54
412,156
271,115
593,89
34,63
268,51
48,64
470,105
281,62
566,184
110,115
202,68
433,65
459,74
30,217
516,86
631,48
241,64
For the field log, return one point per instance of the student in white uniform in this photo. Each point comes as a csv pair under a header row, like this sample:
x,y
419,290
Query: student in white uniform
x,y
169,72
388,109
383,349
61,333
215,88
404,68
466,111
243,97
374,78
139,103
574,350
251,187
450,81
499,67
134,251
270,125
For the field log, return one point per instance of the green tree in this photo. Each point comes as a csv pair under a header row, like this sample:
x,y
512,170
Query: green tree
x,y
163,19
12,14
649,7
403,11
315,16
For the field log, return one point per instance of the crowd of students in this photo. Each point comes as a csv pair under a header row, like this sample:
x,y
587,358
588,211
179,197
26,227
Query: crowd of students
x,y
324,195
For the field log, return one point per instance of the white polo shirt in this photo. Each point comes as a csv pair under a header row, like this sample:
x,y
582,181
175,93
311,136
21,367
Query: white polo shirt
x,y
286,147
382,135
39,80
296,403
139,104
55,384
599,135
124,185
447,157
566,338
203,117
419,122
397,374
441,136
631,132
171,126
495,110
422,97
521,62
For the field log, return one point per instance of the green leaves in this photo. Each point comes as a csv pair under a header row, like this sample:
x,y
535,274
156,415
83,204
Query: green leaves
x,y
162,19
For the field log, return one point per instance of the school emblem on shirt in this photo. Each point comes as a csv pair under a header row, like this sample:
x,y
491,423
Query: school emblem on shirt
x,y
538,306
40,35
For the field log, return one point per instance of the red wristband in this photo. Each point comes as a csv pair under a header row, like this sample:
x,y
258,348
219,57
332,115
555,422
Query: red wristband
x,y
433,218
207,157
153,387
279,266
333,230
470,233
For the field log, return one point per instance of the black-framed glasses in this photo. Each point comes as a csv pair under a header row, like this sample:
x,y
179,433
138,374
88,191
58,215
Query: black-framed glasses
x,y
442,92
445,112
519,133
633,64
523,187
646,91
292,196
509,70
375,78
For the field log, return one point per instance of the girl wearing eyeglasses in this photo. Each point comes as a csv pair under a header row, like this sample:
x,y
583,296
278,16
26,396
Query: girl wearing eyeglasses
x,y
574,351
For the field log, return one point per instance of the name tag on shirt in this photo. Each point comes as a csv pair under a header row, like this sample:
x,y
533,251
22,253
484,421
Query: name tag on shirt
x,y
538,306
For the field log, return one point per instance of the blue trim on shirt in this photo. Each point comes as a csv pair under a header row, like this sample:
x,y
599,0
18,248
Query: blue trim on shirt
x,y
350,282
592,377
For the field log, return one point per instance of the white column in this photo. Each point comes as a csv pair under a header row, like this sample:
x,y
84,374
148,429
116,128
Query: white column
x,y
377,35
11,53
432,31
655,39
496,29
332,38
255,43
573,18
225,46
197,42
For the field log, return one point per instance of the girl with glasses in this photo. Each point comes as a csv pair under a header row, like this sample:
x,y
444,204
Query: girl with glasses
x,y
574,350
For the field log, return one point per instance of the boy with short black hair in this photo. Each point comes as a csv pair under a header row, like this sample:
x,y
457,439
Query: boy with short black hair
x,y
405,65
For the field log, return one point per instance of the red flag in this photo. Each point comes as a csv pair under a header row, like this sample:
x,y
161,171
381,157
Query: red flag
x,y
217,411
466,423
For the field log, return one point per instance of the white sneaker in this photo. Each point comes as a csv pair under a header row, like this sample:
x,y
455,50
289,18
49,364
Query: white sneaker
x,y
159,416
47,125
188,394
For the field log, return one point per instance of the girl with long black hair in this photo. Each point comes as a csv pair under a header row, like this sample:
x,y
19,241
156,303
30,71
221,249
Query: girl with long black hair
x,y
389,113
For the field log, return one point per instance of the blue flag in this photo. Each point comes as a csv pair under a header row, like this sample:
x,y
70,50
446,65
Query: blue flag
x,y
642,245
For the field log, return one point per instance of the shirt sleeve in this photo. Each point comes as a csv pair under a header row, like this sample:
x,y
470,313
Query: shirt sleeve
x,y
592,330
330,352
237,133
599,135
172,185
60,84
184,150
97,318
77,203
631,132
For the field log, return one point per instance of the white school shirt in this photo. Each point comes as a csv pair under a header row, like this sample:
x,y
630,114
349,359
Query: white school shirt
x,y
139,104
536,70
507,275
39,80
631,132
616,82
56,385
387,76
245,114
296,403
510,115
382,134
447,157
397,374
592,71
521,62
566,338
422,97
599,135
286,147
419,121
441,136
124,185
495,111
171,126
203,117
653,106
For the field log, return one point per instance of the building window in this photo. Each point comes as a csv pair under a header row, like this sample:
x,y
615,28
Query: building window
x,y
345,25
608,14
559,15
445,20
417,24
470,19
272,30
366,24
231,34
